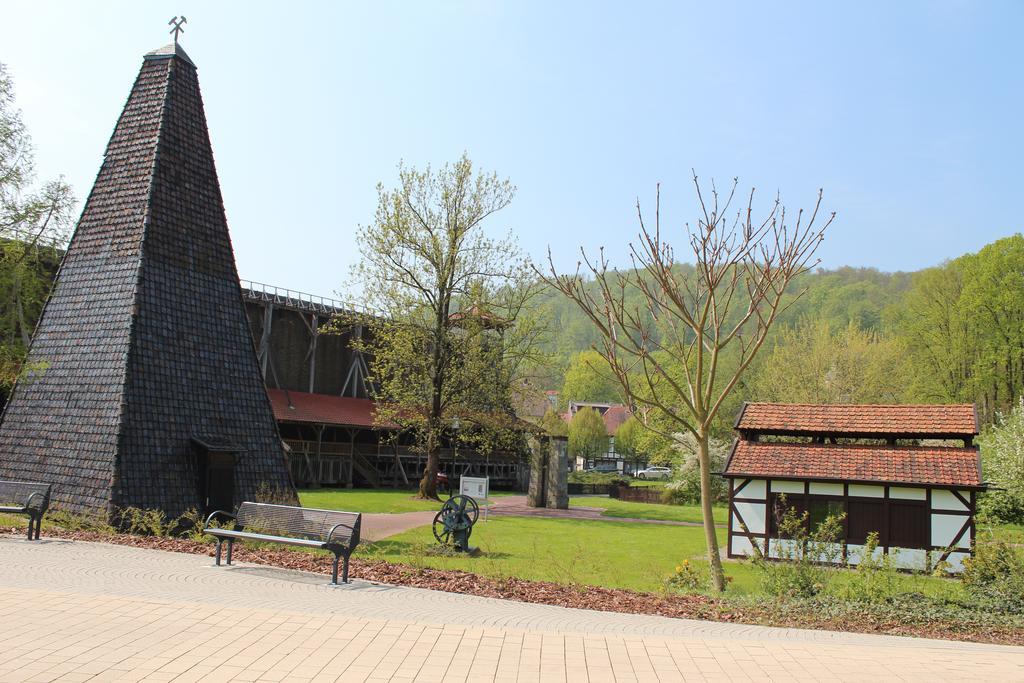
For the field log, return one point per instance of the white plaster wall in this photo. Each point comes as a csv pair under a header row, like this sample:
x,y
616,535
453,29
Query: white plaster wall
x,y
753,514
855,553
909,558
945,529
832,553
779,544
867,491
741,546
755,489
826,489
955,561
907,493
945,500
787,486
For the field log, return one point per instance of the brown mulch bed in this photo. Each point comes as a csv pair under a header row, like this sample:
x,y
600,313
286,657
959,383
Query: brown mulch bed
x,y
766,612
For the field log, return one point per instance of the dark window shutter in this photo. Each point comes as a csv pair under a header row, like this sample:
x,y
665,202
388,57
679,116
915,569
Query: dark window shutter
x,y
865,516
908,525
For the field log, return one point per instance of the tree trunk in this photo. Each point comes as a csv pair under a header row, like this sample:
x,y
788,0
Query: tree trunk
x,y
710,533
428,484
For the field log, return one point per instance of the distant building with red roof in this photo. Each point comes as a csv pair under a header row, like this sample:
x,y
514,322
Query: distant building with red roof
x,y
614,416
865,462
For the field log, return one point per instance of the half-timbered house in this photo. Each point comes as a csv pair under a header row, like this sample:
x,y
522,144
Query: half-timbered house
x,y
910,473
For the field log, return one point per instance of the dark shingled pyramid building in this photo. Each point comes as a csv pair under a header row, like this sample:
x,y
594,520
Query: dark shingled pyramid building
x,y
143,387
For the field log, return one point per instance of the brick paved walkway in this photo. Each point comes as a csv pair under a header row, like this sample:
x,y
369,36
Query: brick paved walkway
x,y
84,611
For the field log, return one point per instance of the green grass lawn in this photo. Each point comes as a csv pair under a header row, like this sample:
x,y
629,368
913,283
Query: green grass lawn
x,y
611,554
370,500
621,508
365,500
614,554
642,483
1008,533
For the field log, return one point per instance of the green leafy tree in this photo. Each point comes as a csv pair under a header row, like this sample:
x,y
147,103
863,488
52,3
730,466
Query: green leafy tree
x,y
993,300
938,334
554,424
588,436
1002,454
963,323
588,379
812,363
453,338
627,439
649,316
35,219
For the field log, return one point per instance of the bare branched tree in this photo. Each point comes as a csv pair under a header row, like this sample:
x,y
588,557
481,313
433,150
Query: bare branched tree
x,y
666,347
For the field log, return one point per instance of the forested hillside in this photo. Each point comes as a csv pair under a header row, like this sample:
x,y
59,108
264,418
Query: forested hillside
x,y
952,333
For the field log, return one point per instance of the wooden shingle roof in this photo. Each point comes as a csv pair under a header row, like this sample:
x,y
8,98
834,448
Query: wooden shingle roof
x,y
145,339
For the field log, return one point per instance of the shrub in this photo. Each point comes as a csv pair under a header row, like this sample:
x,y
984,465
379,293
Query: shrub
x,y
995,577
75,522
802,567
190,525
685,579
875,578
685,488
1002,453
595,477
142,522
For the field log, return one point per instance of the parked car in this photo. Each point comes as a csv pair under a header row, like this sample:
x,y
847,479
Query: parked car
x,y
654,473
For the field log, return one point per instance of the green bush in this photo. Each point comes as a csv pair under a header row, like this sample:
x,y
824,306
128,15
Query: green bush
x,y
684,489
143,522
802,569
595,477
875,578
1001,506
994,577
73,522
1002,454
686,579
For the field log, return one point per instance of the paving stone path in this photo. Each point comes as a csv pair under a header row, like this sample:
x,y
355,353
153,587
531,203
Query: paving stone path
x,y
75,611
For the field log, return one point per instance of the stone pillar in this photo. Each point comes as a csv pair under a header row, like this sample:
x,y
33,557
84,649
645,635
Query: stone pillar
x,y
535,494
558,473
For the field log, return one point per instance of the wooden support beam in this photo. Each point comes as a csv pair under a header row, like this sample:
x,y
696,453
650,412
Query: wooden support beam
x,y
264,348
400,468
313,328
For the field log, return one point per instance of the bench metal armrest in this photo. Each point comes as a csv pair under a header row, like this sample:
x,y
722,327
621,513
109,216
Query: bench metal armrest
x,y
28,503
214,514
330,534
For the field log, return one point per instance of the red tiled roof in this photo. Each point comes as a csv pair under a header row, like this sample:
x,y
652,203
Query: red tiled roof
x,y
342,411
614,416
919,465
885,420
298,406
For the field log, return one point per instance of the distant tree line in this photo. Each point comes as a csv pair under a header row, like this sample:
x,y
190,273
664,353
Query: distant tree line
x,y
949,334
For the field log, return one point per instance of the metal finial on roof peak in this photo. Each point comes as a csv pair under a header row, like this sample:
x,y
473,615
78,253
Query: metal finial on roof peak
x,y
178,27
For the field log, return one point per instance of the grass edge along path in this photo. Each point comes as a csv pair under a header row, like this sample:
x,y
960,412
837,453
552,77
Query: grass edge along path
x,y
780,613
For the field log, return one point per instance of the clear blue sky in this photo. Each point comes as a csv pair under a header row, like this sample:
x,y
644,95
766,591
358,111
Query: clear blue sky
x,y
908,114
